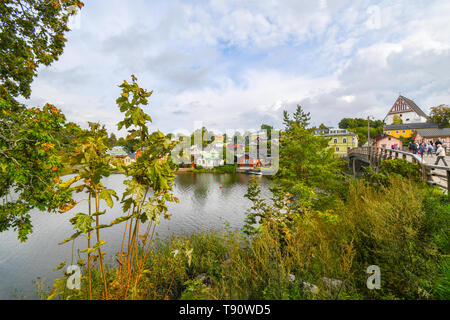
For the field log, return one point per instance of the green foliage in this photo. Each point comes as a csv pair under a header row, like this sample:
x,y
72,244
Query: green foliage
x,y
391,228
94,164
30,164
322,255
307,167
203,135
32,34
154,170
32,140
397,120
112,140
299,119
130,145
229,168
441,115
349,123
392,168
268,129
359,126
442,287
362,133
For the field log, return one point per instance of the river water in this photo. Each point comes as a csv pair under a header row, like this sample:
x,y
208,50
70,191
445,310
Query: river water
x,y
203,206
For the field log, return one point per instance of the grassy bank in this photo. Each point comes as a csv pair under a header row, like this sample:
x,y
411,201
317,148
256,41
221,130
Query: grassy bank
x,y
220,170
325,256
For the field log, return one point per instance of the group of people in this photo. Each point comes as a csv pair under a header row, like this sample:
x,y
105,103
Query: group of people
x,y
428,148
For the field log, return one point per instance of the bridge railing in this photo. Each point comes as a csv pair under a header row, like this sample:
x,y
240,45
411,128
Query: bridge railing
x,y
376,155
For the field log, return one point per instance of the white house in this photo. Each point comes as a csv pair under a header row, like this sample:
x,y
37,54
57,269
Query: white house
x,y
209,160
407,110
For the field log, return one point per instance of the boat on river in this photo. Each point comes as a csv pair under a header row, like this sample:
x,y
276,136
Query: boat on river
x,y
255,172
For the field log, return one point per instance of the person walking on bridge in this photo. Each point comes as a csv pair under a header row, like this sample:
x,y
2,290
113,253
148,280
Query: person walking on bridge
x,y
430,149
421,151
440,153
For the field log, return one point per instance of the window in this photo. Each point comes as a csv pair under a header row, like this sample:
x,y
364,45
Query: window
x,y
397,132
345,140
335,140
389,132
337,149
404,131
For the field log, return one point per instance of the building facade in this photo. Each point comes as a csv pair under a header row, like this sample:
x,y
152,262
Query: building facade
x,y
122,154
407,111
434,135
387,142
341,140
407,130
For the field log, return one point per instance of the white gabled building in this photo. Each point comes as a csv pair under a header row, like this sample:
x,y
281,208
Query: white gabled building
x,y
407,110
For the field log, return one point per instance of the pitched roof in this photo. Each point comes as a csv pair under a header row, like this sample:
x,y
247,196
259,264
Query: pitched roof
x,y
414,106
423,125
334,132
382,136
444,132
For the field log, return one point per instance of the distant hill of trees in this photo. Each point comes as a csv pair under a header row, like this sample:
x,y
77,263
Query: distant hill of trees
x,y
359,126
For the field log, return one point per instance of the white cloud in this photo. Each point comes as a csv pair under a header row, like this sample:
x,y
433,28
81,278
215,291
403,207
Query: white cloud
x,y
236,64
348,99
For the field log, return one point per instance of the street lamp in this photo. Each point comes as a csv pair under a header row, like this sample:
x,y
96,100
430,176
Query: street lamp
x,y
368,129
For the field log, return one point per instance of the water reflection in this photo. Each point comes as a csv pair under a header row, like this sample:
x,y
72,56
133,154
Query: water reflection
x,y
203,205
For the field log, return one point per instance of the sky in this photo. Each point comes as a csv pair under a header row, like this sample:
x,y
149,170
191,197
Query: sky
x,y
236,64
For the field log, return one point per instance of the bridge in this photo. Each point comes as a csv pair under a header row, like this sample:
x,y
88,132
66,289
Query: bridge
x,y
374,156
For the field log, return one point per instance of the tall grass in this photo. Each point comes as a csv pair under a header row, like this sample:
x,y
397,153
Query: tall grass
x,y
401,227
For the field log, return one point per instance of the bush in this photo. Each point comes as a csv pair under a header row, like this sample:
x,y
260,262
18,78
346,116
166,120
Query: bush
x,y
394,227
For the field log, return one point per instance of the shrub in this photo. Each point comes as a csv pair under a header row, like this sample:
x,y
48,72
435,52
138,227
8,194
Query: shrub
x,y
393,229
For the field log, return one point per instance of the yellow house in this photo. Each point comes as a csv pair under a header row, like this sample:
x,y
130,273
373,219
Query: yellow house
x,y
341,140
407,130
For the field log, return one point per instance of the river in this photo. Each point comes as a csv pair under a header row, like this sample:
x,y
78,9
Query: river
x,y
204,205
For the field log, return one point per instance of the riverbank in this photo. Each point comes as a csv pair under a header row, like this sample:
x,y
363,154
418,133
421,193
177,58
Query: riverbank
x,y
227,169
324,257
203,206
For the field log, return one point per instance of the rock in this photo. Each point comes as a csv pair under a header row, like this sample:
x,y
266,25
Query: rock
x,y
332,283
203,278
311,287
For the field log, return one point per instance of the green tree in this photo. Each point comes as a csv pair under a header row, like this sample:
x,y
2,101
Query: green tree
x,y
397,120
30,164
306,162
362,133
207,137
299,118
350,123
32,34
130,145
91,154
268,130
112,140
149,187
441,115
31,139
